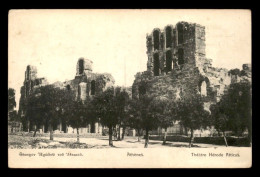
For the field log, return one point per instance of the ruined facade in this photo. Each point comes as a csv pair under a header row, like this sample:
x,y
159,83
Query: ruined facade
x,y
177,65
85,85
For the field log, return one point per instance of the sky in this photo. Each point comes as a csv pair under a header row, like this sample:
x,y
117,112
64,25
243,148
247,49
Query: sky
x,y
115,40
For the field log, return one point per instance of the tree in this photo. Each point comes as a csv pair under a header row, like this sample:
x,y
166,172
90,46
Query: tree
x,y
220,120
76,115
163,109
11,99
46,104
190,112
13,116
105,105
34,111
234,110
135,120
121,105
145,113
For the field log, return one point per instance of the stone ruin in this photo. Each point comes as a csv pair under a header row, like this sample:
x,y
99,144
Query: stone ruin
x,y
85,85
177,65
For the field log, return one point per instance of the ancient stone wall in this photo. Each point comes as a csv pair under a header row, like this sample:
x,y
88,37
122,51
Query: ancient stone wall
x,y
174,47
84,85
193,73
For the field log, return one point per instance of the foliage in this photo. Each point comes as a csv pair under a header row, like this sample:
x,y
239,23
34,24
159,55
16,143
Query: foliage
x,y
233,111
13,116
11,99
105,104
76,115
47,104
190,112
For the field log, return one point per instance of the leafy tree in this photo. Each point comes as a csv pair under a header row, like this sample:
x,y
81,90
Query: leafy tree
x,y
135,120
34,111
220,120
76,115
121,105
163,110
12,114
145,108
11,99
190,112
47,104
105,105
234,110
13,118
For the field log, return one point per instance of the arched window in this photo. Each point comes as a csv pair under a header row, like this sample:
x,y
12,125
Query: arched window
x,y
180,33
28,72
180,56
168,37
168,60
156,39
93,87
203,89
81,66
156,64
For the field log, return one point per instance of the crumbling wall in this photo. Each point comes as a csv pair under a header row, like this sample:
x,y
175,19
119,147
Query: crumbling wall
x,y
191,47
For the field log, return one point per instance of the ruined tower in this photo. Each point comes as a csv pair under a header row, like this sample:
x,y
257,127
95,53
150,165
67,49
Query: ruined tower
x,y
177,67
84,67
175,47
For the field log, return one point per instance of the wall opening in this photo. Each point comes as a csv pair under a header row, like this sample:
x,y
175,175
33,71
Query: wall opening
x,y
180,33
93,88
156,64
81,66
168,61
28,72
180,57
203,89
168,37
156,39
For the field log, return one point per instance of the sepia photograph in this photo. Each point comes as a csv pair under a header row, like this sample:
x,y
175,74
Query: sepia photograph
x,y
157,88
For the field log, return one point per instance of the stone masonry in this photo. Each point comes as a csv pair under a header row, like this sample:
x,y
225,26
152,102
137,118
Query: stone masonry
x,y
85,85
177,65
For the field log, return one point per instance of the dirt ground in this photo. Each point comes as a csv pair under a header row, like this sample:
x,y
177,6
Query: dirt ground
x,y
39,142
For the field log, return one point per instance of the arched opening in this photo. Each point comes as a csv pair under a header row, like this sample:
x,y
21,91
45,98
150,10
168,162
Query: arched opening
x,y
168,61
81,66
28,72
180,57
180,33
156,39
203,89
156,64
168,37
93,88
